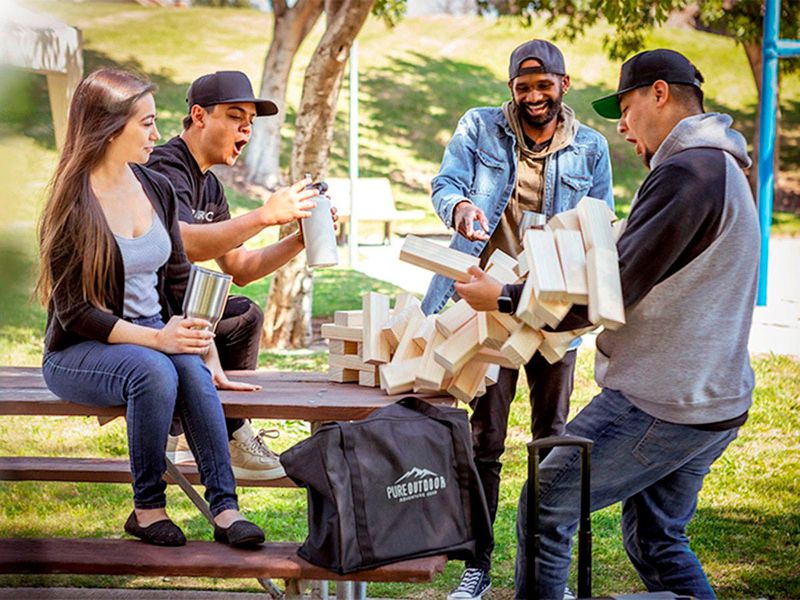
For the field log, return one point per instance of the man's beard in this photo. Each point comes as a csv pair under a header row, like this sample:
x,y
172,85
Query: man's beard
x,y
553,109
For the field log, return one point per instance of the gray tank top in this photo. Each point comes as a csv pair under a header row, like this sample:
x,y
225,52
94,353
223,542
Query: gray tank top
x,y
143,256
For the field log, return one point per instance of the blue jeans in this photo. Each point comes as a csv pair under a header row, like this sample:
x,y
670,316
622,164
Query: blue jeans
x,y
153,386
655,468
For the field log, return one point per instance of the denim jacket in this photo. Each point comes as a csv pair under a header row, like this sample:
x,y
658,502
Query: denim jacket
x,y
480,165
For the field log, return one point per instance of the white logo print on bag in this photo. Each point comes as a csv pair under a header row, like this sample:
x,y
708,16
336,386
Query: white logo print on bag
x,y
416,483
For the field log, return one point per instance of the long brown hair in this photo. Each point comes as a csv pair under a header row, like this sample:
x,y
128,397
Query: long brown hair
x,y
73,234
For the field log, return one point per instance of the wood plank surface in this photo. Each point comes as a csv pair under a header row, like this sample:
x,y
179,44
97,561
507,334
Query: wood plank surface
x,y
276,560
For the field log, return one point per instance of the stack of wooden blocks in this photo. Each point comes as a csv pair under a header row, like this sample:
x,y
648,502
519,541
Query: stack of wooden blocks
x,y
573,260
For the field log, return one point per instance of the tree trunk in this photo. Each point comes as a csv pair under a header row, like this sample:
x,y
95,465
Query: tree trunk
x,y
287,319
291,26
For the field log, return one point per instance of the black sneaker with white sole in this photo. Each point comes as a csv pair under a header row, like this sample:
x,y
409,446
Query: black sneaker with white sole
x,y
474,584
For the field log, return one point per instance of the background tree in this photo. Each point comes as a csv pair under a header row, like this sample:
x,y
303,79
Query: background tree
x,y
290,28
287,322
741,20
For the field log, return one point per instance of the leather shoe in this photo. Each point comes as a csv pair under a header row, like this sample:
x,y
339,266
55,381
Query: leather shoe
x,y
160,533
240,533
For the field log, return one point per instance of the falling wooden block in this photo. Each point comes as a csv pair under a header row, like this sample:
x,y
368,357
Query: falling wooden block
x,y
467,382
431,375
396,325
526,309
573,265
520,347
522,263
375,348
349,318
492,374
456,350
595,224
342,347
340,375
454,318
406,348
502,274
606,306
500,258
495,333
397,378
556,344
434,257
424,334
487,355
507,321
405,300
351,362
552,312
337,332
369,378
545,269
567,220
618,228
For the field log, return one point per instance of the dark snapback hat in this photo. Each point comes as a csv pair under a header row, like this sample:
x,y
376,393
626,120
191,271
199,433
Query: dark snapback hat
x,y
547,54
224,87
645,69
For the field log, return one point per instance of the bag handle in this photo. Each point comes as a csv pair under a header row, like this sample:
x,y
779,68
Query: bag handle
x,y
359,497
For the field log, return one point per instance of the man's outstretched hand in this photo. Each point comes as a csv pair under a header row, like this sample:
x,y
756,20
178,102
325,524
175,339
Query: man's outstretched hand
x,y
464,216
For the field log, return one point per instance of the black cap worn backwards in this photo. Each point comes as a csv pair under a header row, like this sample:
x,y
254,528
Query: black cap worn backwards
x,y
224,87
550,58
645,69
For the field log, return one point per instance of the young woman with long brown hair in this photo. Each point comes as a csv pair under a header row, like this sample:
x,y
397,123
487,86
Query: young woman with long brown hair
x,y
113,275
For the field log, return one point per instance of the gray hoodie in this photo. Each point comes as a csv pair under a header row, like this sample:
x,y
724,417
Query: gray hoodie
x,y
688,262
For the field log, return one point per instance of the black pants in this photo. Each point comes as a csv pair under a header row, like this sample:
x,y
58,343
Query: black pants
x,y
550,389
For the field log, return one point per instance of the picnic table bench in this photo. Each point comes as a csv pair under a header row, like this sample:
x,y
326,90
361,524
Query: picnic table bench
x,y
284,395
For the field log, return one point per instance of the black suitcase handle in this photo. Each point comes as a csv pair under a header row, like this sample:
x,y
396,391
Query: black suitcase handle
x,y
585,530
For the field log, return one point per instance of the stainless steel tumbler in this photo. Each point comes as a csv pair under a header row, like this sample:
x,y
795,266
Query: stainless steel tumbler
x,y
530,219
206,295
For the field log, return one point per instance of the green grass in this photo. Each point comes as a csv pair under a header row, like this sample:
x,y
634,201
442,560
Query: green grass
x,y
415,82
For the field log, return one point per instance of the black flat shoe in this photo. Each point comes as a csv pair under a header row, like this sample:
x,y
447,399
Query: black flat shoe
x,y
160,533
240,533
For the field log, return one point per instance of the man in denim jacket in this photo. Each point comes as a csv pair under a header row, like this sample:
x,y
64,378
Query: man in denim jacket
x,y
531,154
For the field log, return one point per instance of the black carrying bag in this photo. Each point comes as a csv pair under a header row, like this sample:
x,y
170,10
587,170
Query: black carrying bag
x,y
399,484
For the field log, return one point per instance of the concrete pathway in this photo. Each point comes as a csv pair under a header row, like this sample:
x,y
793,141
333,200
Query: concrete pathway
x,y
776,327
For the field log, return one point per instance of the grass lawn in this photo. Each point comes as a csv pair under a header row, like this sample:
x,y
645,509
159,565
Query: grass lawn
x,y
415,82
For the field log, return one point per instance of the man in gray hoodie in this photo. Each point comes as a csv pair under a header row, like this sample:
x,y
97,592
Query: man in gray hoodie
x,y
676,379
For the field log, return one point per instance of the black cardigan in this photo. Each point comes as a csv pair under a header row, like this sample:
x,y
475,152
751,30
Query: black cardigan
x,y
71,319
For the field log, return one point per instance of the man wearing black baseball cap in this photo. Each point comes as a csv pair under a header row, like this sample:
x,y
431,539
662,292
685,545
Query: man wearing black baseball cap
x,y
676,382
530,154
221,110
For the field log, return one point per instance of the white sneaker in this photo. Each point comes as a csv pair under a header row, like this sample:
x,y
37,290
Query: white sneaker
x,y
178,451
474,584
569,594
251,458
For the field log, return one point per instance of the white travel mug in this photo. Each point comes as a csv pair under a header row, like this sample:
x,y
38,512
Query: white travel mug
x,y
319,235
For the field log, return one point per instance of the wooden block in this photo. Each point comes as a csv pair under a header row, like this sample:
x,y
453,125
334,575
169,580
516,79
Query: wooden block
x,y
466,383
551,312
406,348
369,378
454,318
456,350
350,362
349,318
487,355
545,269
375,349
567,220
492,374
434,257
425,332
496,334
337,332
340,375
431,375
556,344
573,265
519,348
405,300
507,321
500,258
606,307
396,325
342,347
526,309
522,263
483,327
595,224
399,377
618,228
502,273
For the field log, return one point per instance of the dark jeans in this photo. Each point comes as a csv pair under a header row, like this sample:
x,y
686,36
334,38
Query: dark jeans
x,y
152,386
550,389
655,468
238,339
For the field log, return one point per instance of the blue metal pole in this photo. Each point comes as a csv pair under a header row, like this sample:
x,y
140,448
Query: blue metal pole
x,y
766,145
787,48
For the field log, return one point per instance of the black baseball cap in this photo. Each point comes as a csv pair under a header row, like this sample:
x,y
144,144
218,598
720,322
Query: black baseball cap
x,y
224,87
645,69
550,57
